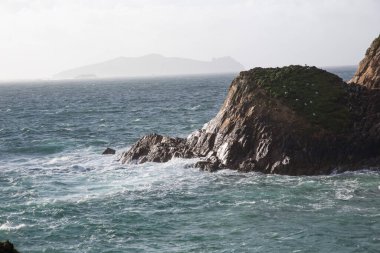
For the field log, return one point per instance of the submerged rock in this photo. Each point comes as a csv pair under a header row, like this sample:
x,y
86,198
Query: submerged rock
x,y
368,73
295,120
109,151
7,247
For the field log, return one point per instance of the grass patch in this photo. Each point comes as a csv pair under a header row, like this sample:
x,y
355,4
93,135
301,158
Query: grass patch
x,y
316,94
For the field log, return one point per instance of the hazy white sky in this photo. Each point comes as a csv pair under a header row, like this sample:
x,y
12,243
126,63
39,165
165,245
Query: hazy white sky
x,y
41,37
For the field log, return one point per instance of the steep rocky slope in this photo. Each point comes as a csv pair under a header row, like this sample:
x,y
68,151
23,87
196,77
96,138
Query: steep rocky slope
x,y
368,73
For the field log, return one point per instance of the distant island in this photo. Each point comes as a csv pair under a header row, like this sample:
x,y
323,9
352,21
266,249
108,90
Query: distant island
x,y
152,65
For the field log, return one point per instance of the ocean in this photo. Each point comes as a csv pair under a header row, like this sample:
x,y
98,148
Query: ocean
x,y
59,194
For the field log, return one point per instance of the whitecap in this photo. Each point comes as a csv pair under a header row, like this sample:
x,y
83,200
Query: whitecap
x,y
25,129
195,107
345,189
56,160
343,195
8,226
245,203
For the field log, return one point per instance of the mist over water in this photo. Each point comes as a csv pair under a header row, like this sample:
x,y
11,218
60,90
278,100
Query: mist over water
x,y
58,194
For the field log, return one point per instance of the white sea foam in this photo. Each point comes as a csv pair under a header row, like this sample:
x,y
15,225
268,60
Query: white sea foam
x,y
56,160
8,226
82,176
245,203
195,107
345,190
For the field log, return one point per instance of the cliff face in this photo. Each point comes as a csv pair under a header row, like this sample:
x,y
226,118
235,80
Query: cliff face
x,y
293,120
272,121
368,73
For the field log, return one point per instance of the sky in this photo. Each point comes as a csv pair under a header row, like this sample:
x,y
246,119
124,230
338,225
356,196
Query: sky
x,y
39,38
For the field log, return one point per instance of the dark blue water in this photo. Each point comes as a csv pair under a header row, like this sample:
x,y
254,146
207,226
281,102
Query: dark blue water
x,y
58,194
345,72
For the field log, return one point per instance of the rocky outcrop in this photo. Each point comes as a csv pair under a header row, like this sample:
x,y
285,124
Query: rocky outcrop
x,y
157,148
368,73
109,151
295,120
7,247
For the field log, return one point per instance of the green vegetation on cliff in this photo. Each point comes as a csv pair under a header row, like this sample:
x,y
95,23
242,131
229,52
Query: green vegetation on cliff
x,y
316,94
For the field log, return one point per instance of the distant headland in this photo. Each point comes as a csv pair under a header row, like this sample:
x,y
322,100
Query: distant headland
x,y
152,65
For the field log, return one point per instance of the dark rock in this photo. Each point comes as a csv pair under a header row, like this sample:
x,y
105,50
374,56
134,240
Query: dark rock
x,y
7,247
156,148
109,151
211,164
295,120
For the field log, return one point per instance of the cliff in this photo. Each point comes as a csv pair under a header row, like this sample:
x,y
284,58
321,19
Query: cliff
x,y
295,120
368,73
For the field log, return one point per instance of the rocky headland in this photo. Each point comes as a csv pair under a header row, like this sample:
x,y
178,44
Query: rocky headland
x,y
295,120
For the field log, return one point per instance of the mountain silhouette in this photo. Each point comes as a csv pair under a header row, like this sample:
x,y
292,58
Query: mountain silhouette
x,y
152,65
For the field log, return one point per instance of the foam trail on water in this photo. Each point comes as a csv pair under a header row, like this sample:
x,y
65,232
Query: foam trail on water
x,y
8,226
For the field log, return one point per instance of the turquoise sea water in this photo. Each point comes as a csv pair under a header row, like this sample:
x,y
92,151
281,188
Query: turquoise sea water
x,y
58,194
